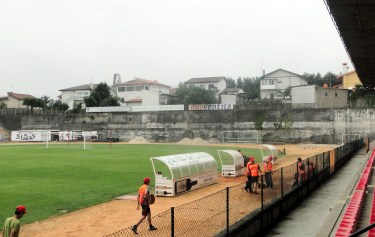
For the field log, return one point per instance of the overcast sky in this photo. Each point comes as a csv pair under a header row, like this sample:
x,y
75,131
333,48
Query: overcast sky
x,y
48,45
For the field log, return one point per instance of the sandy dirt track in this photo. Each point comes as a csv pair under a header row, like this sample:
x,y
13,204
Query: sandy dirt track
x,y
115,215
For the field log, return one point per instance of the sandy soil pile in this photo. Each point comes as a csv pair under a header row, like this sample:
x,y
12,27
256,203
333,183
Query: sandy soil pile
x,y
185,141
195,141
200,141
138,140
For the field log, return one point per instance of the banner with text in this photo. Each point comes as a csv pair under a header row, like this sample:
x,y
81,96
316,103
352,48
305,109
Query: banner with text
x,y
211,107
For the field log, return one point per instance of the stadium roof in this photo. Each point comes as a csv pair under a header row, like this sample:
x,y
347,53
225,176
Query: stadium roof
x,y
355,21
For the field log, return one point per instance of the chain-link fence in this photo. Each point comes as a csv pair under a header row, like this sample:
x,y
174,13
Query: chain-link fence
x,y
225,212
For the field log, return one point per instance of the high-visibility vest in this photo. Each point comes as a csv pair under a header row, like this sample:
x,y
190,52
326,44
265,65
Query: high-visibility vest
x,y
254,170
142,194
265,166
248,173
269,166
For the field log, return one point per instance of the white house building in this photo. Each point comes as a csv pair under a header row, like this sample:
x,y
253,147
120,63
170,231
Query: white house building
x,y
273,85
218,84
312,96
141,92
74,95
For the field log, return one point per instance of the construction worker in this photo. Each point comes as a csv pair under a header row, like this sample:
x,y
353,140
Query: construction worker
x,y
254,171
248,186
267,168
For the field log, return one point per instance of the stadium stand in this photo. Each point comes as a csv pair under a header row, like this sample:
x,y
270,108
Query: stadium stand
x,y
350,218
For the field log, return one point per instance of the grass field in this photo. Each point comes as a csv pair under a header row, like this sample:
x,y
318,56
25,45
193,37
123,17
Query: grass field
x,y
59,179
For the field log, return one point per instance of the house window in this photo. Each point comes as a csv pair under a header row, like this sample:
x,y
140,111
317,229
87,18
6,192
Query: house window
x,y
130,88
121,89
139,88
211,86
335,94
326,94
147,88
268,82
82,93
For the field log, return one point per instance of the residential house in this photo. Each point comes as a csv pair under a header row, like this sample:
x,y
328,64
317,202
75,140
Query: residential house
x,y
275,84
140,91
232,96
15,100
312,96
74,95
217,84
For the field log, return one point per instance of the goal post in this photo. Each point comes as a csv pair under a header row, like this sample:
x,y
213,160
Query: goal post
x,y
75,138
236,136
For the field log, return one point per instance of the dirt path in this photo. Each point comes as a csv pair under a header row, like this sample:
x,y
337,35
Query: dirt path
x,y
115,215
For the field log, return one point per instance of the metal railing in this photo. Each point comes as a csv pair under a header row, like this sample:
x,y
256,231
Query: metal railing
x,y
233,210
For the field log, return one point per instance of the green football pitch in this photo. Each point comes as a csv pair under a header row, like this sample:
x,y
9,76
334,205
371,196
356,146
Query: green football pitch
x,y
65,178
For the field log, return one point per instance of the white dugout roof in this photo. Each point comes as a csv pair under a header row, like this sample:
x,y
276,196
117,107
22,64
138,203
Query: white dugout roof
x,y
189,164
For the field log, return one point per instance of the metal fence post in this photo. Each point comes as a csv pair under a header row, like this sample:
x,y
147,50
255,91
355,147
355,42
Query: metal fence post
x,y
297,180
282,189
227,211
282,183
262,198
308,174
172,221
317,170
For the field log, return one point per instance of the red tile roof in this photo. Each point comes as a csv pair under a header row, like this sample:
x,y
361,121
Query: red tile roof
x,y
133,101
19,96
140,81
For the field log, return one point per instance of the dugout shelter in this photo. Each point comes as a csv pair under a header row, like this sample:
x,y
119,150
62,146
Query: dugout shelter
x,y
267,151
176,174
232,163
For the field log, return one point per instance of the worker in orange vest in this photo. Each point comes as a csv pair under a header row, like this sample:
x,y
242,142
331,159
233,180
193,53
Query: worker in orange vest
x,y
143,199
248,185
267,168
254,172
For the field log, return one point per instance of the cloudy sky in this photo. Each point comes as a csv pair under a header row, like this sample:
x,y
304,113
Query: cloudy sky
x,y
47,45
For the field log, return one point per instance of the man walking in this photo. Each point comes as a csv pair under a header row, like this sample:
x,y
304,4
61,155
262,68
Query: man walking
x,y
143,199
12,225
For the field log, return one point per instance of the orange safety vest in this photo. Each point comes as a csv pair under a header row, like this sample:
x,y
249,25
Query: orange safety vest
x,y
142,194
269,166
254,170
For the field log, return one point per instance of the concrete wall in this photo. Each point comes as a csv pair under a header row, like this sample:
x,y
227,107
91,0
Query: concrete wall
x,y
297,126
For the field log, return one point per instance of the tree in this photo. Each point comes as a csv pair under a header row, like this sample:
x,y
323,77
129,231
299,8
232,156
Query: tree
x,y
34,103
101,97
58,105
230,82
3,105
251,87
193,95
316,79
46,100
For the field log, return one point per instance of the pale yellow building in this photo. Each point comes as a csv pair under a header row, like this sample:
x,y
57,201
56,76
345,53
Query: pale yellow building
x,y
349,80
15,100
